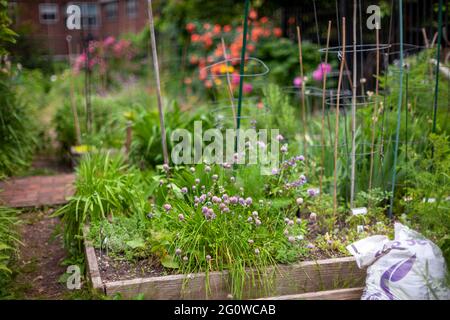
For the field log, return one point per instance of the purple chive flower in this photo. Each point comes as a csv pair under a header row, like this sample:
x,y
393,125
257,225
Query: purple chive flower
x,y
257,222
161,182
310,246
279,137
232,179
300,158
249,219
261,144
234,200
226,209
197,181
203,187
299,201
225,197
299,221
275,171
312,192
255,213
184,190
286,220
178,251
313,216
192,169
250,241
181,217
165,167
226,165
167,207
216,199
204,210
194,188
215,177
286,232
257,251
207,169
208,257
248,201
298,82
185,258
203,197
242,201
284,148
291,223
291,239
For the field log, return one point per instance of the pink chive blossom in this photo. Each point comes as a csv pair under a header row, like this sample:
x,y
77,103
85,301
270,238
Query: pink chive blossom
x,y
255,213
181,217
298,82
194,188
165,167
300,158
235,79
250,241
109,41
312,192
216,199
286,232
284,148
178,251
299,221
310,246
291,223
286,220
275,171
257,251
208,257
249,219
192,169
232,179
313,216
184,190
248,201
167,207
279,137
257,222
261,144
234,200
215,177
204,210
185,258
207,169
197,181
299,201
291,239
161,182
225,197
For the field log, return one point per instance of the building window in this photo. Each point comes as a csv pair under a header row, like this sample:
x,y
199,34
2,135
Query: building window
x,y
132,8
48,13
89,15
111,10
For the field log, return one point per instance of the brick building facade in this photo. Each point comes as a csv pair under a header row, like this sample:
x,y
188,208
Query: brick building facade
x,y
46,21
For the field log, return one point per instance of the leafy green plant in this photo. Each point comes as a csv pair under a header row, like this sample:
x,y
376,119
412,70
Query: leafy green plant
x,y
9,239
105,187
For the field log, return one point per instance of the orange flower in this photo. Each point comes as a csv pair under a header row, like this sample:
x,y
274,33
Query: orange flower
x,y
277,32
187,81
291,20
195,37
217,28
203,74
190,27
194,59
208,84
227,28
264,20
206,26
253,15
251,47
218,52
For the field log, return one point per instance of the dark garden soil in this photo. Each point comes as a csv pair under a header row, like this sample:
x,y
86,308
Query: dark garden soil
x,y
118,268
40,256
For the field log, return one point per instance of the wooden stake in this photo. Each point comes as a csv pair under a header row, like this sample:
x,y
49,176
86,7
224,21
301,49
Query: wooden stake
x,y
76,121
336,135
230,88
324,88
354,87
375,110
158,82
299,39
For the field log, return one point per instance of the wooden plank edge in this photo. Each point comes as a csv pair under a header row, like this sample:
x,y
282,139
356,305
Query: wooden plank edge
x,y
339,294
92,264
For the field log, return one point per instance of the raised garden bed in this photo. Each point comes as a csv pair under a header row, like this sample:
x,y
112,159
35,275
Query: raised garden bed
x,y
324,278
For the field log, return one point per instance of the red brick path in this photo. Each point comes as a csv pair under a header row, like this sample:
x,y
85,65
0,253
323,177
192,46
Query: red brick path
x,y
37,191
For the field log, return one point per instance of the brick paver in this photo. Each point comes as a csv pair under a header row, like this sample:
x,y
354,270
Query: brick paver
x,y
37,191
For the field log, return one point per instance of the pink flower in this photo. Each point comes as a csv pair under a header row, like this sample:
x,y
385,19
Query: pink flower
x,y
298,82
235,79
318,75
109,41
248,88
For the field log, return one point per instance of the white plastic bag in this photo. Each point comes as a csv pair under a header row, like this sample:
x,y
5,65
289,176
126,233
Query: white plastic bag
x,y
410,267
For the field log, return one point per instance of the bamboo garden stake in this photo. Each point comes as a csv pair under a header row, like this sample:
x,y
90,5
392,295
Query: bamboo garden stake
x,y
230,89
324,88
354,88
299,39
375,110
158,83
336,135
72,95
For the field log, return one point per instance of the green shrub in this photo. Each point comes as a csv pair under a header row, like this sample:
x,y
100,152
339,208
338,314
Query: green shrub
x,y
8,241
